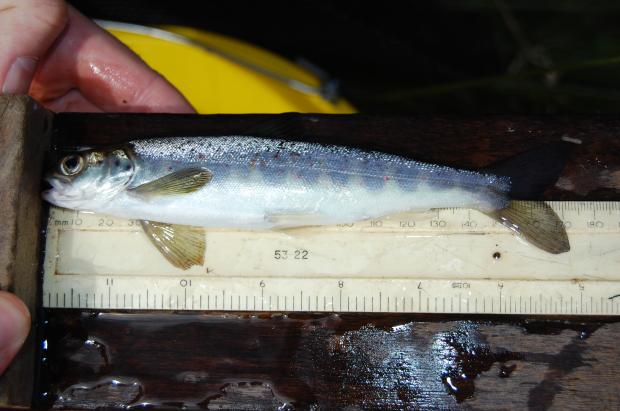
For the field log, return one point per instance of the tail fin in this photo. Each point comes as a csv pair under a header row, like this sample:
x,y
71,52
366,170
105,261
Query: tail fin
x,y
536,222
531,173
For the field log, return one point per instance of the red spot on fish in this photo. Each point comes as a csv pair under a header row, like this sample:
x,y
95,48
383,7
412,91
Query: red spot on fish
x,y
386,178
201,156
253,163
169,168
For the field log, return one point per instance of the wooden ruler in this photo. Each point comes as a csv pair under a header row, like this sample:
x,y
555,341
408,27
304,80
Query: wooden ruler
x,y
441,261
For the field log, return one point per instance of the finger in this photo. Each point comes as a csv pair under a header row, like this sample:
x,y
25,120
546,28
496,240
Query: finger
x,y
105,71
14,327
27,30
73,100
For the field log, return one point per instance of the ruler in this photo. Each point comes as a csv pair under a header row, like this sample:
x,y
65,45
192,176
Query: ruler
x,y
441,261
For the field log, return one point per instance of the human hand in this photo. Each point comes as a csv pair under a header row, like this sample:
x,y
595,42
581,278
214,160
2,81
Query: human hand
x,y
65,61
14,326
68,63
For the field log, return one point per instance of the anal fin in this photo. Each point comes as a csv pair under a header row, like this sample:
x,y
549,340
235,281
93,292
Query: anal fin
x,y
184,246
293,221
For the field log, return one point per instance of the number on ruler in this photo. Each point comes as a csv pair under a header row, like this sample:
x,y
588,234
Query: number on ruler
x,y
280,254
106,222
301,254
438,223
470,224
596,224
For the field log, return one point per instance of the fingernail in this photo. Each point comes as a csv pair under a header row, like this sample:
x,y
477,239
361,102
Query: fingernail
x,y
19,76
14,325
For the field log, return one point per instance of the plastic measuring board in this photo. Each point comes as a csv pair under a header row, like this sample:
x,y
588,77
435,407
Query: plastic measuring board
x,y
440,261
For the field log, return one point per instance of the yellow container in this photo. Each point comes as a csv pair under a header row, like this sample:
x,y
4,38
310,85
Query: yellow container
x,y
218,74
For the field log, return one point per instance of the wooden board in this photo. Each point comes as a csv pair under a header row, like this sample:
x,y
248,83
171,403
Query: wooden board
x,y
25,129
330,361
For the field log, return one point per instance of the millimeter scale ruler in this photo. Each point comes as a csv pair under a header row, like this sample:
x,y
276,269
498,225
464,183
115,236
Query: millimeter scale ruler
x,y
440,261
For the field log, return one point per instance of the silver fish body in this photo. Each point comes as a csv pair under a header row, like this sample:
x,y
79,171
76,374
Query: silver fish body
x,y
170,184
264,183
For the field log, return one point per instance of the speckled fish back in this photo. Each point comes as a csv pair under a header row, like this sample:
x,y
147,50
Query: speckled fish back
x,y
274,159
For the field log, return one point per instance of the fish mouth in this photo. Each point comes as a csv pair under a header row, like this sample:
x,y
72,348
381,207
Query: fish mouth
x,y
53,183
46,186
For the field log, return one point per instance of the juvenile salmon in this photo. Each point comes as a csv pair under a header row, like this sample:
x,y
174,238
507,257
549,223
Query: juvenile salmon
x,y
177,184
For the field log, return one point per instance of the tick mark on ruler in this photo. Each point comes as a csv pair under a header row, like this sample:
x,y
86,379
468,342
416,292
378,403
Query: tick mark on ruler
x,y
420,297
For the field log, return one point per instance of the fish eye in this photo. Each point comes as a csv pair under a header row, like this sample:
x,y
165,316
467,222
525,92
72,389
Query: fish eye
x,y
72,164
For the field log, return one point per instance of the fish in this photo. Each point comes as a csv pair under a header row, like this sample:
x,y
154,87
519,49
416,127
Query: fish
x,y
177,187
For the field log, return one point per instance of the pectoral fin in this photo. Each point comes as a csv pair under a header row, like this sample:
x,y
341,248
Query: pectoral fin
x,y
180,182
182,245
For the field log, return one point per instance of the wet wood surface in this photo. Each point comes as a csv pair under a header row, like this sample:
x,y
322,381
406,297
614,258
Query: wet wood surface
x,y
329,361
344,361
24,138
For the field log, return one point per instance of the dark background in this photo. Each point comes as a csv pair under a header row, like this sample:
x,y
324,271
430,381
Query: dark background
x,y
443,56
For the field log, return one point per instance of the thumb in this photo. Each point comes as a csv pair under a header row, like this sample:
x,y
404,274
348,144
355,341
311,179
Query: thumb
x,y
14,327
27,30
